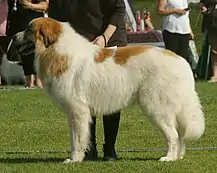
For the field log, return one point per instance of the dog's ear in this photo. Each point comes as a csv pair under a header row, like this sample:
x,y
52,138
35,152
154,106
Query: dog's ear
x,y
47,30
48,36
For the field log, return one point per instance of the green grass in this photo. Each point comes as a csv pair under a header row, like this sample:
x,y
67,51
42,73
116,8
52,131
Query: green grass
x,y
29,121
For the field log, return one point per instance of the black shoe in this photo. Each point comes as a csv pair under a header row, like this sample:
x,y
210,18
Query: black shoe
x,y
91,154
109,153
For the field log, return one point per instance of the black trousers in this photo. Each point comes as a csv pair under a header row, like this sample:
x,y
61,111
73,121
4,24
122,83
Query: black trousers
x,y
177,43
110,125
28,65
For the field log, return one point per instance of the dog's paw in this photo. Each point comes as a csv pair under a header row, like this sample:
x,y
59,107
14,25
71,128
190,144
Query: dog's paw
x,y
77,157
181,157
167,159
68,161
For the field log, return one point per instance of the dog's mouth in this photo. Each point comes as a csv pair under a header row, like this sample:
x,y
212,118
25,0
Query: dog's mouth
x,y
25,48
22,49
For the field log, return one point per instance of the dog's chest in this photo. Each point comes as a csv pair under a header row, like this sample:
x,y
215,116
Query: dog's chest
x,y
57,92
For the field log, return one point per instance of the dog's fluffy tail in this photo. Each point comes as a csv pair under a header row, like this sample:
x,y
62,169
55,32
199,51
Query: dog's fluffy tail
x,y
191,121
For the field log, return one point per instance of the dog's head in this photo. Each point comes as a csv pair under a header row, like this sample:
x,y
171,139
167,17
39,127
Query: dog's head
x,y
40,34
41,31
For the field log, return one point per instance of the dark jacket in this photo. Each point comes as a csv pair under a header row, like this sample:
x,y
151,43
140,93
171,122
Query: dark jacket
x,y
19,20
90,18
208,19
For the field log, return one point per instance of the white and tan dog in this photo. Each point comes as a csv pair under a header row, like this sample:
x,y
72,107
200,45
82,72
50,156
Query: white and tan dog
x,y
82,78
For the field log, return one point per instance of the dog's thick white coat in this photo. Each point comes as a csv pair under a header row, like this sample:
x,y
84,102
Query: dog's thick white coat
x,y
11,72
162,84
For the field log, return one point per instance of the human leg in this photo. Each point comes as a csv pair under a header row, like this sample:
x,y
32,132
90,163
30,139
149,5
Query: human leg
x,y
111,125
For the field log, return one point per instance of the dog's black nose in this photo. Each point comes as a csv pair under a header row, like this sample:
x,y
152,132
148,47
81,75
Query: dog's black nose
x,y
16,41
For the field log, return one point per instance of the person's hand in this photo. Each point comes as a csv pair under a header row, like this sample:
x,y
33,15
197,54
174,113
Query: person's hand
x,y
191,36
180,11
99,41
204,9
26,4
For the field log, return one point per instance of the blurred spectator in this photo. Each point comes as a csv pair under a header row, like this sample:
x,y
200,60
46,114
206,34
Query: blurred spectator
x,y
212,38
18,20
3,16
176,26
208,9
3,24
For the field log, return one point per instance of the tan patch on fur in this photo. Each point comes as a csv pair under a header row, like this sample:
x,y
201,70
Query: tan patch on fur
x,y
170,53
103,55
46,30
123,54
52,64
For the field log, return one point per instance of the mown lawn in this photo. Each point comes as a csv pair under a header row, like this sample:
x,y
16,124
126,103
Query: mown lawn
x,y
30,122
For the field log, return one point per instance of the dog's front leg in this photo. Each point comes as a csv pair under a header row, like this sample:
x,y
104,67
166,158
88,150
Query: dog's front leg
x,y
79,134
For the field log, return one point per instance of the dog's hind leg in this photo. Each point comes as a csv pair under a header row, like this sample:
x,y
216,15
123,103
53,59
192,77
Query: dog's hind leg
x,y
79,134
167,124
162,112
182,148
168,127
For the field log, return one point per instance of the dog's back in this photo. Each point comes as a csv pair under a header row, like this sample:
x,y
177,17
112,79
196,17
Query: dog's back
x,y
124,79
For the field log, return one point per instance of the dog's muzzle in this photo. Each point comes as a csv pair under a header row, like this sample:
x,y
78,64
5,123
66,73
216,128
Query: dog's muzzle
x,y
24,47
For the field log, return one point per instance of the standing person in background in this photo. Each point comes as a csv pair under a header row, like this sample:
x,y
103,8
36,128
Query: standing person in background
x,y
21,13
207,8
101,22
176,26
3,22
3,16
212,38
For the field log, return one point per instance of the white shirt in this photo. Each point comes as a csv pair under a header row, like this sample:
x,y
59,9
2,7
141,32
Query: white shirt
x,y
177,23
